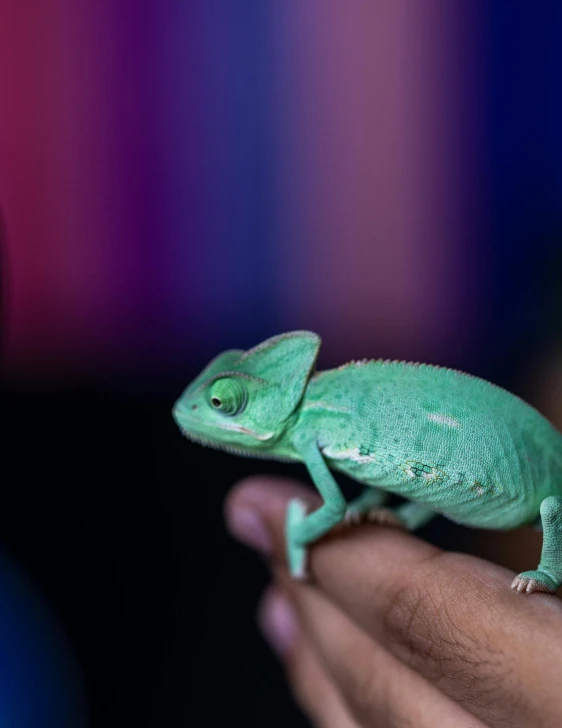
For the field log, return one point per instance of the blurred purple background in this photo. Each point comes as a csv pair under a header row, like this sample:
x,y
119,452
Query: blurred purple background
x,y
179,177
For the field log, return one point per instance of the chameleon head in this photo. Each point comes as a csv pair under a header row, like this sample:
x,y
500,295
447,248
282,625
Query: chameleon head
x,y
243,400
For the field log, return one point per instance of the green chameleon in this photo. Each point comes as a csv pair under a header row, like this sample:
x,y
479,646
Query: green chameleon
x,y
447,442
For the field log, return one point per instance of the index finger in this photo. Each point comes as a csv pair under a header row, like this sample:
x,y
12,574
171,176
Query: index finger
x,y
450,616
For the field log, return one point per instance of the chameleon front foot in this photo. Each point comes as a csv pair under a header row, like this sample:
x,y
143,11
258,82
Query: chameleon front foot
x,y
296,552
534,581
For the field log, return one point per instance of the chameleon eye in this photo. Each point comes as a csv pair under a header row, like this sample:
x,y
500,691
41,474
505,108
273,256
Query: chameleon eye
x,y
228,396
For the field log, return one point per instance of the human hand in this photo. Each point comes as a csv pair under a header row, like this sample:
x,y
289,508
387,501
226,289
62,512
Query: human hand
x,y
392,631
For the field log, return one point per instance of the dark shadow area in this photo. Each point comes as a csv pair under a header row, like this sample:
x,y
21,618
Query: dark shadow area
x,y
118,520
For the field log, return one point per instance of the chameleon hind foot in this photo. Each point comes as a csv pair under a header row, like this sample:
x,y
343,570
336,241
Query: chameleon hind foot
x,y
380,516
534,581
548,576
296,552
385,517
368,502
408,516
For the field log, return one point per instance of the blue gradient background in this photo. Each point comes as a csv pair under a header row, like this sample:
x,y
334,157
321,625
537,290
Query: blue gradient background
x,y
39,675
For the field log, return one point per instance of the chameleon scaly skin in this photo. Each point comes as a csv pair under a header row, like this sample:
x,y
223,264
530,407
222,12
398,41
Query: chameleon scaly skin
x,y
449,443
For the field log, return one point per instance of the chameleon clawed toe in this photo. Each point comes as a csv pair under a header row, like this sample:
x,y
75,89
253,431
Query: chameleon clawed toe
x,y
353,518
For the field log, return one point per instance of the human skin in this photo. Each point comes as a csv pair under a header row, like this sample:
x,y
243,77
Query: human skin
x,y
392,631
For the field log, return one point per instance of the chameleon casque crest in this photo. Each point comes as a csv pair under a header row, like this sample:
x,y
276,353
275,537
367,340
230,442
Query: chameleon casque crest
x,y
449,443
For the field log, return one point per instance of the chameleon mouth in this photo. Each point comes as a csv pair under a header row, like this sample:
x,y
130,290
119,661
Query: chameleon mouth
x,y
231,428
230,448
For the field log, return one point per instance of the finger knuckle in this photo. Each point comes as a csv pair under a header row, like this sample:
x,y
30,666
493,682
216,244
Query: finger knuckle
x,y
362,685
372,695
373,700
428,632
365,700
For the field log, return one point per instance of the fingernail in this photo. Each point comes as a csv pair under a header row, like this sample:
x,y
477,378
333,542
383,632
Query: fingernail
x,y
245,524
278,623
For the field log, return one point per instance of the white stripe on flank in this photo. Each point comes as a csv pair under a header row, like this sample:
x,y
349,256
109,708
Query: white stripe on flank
x,y
443,420
324,406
